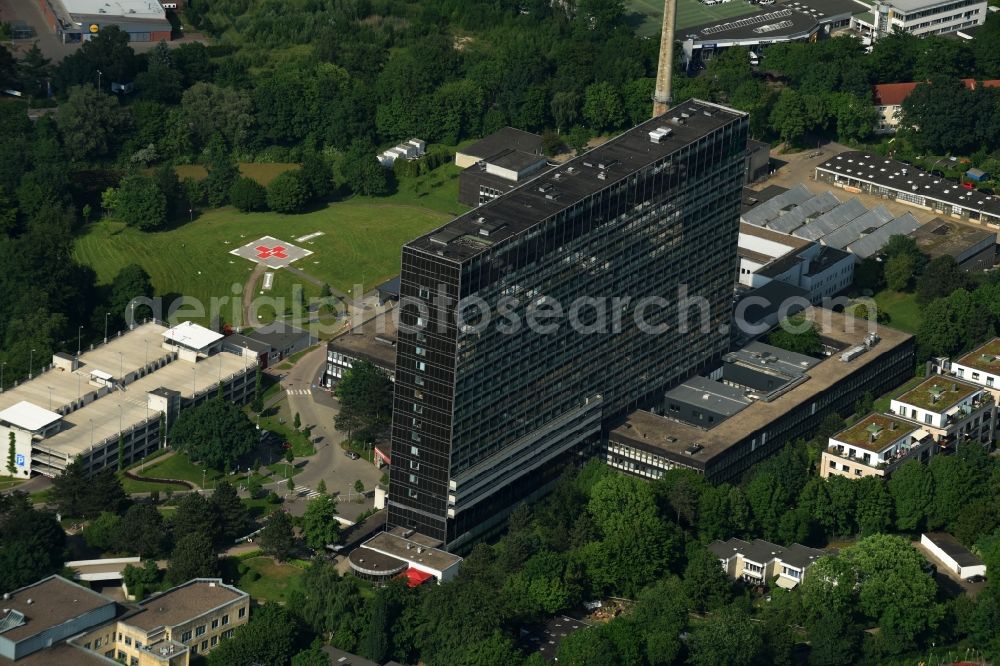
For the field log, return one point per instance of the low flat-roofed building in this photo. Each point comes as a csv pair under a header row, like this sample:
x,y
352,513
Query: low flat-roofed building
x,y
284,339
954,555
191,338
972,248
388,290
856,171
647,444
875,446
54,609
703,402
919,17
373,341
498,174
505,138
403,553
81,20
121,388
951,410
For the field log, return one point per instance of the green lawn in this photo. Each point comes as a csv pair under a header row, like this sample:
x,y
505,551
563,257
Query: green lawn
x,y
301,445
179,466
648,14
266,580
883,403
361,244
6,483
263,173
904,313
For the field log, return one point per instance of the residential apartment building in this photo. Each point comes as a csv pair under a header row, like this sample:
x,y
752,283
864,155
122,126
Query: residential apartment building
x,y
784,403
126,390
875,446
485,415
951,410
56,622
759,562
981,367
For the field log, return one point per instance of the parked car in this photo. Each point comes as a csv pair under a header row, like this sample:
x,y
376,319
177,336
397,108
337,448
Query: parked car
x,y
352,455
978,578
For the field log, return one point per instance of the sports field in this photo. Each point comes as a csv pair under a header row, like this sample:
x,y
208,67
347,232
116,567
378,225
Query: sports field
x,y
360,244
689,13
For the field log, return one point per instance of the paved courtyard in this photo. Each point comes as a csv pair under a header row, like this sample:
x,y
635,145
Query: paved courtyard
x,y
271,252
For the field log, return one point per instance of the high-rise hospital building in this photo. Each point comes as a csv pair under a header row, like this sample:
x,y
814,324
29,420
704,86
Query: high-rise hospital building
x,y
487,407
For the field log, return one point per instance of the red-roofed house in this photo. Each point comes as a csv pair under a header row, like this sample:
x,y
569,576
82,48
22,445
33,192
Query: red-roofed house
x,y
888,98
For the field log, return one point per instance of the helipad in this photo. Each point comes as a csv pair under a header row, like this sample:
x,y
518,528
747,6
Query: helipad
x,y
271,252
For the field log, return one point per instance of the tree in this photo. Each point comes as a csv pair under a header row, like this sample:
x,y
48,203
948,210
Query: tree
x,y
34,70
287,193
365,395
788,116
130,283
12,454
940,278
222,172
297,421
588,647
143,531
314,656
727,637
868,275
248,195
140,203
361,171
277,538
268,638
195,514
806,342
899,272
230,513
215,433
319,523
141,580
104,532
565,109
316,175
192,557
874,507
705,584
210,109
602,107
77,495
91,122
33,542
912,490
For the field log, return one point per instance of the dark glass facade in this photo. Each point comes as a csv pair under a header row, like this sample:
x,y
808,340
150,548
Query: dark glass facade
x,y
487,410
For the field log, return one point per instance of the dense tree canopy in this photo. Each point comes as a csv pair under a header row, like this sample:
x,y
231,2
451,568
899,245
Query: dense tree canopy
x,y
215,433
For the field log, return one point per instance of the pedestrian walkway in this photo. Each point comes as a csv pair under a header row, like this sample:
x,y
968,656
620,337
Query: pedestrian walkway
x,y
306,492
298,391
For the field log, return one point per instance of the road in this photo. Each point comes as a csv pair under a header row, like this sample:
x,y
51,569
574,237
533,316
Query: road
x,y
316,407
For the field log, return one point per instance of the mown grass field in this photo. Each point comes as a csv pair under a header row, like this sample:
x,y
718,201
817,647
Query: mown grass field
x,y
648,14
266,580
263,173
360,244
904,313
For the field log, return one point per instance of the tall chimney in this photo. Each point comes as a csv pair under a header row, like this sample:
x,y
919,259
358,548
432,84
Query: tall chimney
x,y
665,67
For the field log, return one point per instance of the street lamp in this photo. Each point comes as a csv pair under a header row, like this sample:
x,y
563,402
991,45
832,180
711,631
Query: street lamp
x,y
79,336
106,315
203,478
2,366
121,367
31,363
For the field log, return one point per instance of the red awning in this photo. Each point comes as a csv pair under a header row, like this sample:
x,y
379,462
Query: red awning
x,y
415,577
382,456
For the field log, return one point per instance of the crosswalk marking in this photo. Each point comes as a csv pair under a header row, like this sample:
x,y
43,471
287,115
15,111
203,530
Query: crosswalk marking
x,y
298,391
309,493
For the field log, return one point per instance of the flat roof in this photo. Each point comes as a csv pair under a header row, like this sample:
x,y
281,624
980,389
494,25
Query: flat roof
x,y
99,419
341,658
62,654
943,237
763,356
192,335
53,601
915,5
985,358
183,603
411,551
240,340
373,340
503,138
956,551
278,334
516,160
390,286
532,203
886,431
792,242
938,393
710,394
661,435
775,22
28,416
895,175
375,563
775,293
131,9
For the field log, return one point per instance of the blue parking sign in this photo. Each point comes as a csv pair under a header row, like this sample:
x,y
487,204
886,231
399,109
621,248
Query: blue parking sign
x,y
19,459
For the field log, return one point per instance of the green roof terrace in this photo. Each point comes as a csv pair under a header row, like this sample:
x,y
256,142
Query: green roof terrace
x,y
876,432
938,394
985,358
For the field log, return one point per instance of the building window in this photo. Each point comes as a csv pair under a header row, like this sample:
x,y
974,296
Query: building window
x,y
215,639
421,366
97,643
415,437
414,451
204,645
227,634
421,322
199,631
424,292
413,479
833,464
215,623
185,637
414,465
242,614
412,493
225,619
133,661
927,418
128,640
420,351
975,375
